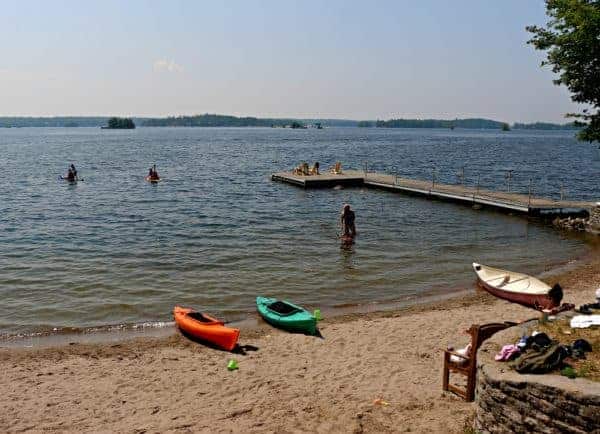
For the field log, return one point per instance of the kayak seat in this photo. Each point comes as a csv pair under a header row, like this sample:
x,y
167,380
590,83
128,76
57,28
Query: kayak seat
x,y
283,308
198,317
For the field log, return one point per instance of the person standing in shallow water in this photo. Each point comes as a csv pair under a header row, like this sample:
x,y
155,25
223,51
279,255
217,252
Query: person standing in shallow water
x,y
347,218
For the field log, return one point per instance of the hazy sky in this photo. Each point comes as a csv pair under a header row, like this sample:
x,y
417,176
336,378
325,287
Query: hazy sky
x,y
340,59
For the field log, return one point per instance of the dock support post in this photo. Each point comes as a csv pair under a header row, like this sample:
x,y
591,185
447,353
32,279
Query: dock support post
x,y
433,178
529,198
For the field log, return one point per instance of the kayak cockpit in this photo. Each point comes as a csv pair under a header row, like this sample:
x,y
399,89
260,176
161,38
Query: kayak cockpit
x,y
199,316
282,308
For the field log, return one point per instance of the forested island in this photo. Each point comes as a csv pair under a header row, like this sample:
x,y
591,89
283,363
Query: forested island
x,y
214,120
119,124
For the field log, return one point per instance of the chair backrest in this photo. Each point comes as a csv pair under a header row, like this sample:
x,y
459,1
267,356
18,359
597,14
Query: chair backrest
x,y
479,333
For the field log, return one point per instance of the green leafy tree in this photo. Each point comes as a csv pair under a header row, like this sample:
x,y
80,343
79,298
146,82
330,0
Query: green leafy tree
x,y
572,41
121,123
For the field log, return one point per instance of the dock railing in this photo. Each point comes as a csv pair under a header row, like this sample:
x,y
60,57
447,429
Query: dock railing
x,y
462,191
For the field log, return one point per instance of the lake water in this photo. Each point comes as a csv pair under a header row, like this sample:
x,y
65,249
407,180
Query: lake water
x,y
217,232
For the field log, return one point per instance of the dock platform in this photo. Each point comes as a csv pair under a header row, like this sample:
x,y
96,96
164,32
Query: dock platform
x,y
350,178
504,201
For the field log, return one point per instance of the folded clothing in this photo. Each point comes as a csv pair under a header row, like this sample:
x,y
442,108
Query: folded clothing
x,y
541,362
584,321
507,352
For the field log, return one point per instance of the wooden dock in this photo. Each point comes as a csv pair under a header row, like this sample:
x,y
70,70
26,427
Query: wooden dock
x,y
504,201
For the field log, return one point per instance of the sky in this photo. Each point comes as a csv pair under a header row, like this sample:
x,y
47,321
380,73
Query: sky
x,y
306,59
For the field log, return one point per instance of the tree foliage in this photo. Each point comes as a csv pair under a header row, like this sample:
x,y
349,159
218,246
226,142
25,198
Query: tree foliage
x,y
439,123
571,39
121,123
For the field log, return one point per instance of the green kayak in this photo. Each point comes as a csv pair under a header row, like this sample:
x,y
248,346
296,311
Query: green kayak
x,y
286,315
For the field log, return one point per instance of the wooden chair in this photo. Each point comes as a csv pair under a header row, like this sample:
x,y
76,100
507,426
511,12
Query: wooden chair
x,y
479,333
337,168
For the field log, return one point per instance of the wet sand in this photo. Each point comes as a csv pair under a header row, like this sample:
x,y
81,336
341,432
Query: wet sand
x,y
289,383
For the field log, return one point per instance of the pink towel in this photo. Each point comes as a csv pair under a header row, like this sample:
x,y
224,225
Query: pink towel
x,y
507,352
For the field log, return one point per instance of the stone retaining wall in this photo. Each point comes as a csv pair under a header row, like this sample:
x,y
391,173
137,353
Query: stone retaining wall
x,y
594,220
590,224
507,401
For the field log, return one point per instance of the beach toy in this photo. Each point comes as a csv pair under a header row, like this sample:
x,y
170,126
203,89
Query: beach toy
x,y
232,365
381,401
317,314
568,372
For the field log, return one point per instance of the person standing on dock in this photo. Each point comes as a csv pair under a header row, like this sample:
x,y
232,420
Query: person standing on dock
x,y
347,218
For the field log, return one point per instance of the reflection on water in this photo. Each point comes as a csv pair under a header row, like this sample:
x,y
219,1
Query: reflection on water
x,y
217,232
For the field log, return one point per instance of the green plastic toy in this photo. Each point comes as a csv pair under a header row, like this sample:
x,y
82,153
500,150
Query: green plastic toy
x,y
232,365
317,314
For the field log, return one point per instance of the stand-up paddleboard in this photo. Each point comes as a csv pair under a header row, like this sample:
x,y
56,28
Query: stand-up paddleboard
x,y
152,180
65,178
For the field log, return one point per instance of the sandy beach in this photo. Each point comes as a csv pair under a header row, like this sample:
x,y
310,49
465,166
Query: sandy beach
x,y
288,383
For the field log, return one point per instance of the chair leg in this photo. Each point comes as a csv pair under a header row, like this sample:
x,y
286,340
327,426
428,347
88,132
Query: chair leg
x,y
470,395
445,380
445,373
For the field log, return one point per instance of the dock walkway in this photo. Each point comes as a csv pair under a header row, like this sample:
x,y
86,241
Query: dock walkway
x,y
509,202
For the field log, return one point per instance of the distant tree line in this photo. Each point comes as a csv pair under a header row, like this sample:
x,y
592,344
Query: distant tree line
x,y
437,123
476,123
213,120
57,121
546,126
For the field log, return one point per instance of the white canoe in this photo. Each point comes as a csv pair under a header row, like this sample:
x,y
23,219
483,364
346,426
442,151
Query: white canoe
x,y
518,287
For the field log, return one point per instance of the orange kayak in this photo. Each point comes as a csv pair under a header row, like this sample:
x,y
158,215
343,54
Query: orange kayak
x,y
205,327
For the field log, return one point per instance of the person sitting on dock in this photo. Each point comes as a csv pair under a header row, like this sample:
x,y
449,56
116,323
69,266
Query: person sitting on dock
x,y
337,168
315,169
302,169
347,218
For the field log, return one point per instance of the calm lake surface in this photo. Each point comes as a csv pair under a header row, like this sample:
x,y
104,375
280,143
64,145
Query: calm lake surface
x,y
217,232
